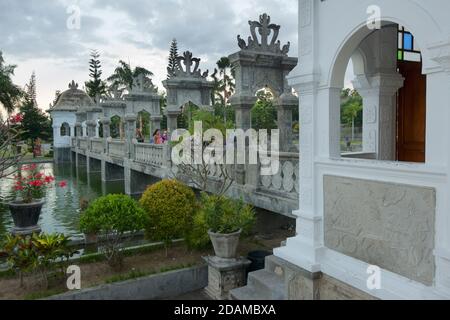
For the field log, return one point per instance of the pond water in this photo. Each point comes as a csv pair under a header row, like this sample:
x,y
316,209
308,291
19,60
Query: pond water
x,y
61,211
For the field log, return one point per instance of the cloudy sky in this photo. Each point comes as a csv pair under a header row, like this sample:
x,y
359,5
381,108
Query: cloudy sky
x,y
34,34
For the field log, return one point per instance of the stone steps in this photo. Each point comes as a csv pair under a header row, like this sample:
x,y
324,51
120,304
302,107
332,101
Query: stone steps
x,y
267,284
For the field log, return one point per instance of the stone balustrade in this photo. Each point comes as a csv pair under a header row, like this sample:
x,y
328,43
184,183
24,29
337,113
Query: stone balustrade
x,y
116,148
83,144
286,180
277,192
97,146
150,154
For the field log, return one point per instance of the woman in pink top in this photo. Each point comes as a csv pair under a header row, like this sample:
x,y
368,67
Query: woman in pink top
x,y
157,138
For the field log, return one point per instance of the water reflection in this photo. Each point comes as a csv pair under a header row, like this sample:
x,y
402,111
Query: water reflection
x,y
61,211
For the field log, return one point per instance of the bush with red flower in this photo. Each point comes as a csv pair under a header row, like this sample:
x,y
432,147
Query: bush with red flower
x,y
32,184
9,135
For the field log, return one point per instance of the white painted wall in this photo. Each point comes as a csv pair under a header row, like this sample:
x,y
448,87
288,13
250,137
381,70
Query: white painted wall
x,y
60,117
329,32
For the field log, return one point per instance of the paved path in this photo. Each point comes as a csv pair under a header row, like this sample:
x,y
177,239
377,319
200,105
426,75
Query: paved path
x,y
193,296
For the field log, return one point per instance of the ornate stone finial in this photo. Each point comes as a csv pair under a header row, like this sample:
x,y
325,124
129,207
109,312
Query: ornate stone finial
x,y
191,66
114,92
73,85
142,83
265,30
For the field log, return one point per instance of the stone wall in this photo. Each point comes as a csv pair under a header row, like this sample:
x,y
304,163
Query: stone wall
x,y
388,225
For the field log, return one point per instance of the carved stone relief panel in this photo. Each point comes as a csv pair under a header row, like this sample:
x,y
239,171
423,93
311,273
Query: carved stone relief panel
x,y
388,225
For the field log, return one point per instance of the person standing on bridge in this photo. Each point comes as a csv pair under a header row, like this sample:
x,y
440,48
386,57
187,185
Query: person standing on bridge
x,y
157,138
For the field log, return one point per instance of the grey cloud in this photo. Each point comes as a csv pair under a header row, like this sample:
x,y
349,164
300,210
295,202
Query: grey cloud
x,y
36,29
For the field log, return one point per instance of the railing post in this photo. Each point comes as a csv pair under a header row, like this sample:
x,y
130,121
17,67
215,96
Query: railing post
x,y
106,122
130,134
286,104
243,104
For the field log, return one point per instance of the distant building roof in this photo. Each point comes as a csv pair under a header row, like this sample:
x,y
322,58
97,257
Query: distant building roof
x,y
72,100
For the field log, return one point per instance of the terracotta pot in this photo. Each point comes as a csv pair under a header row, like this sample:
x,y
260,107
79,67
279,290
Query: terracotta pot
x,y
26,217
225,245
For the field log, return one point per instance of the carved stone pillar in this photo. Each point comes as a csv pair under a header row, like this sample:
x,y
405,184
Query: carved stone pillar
x,y
91,128
78,129
243,105
286,104
379,108
106,127
172,120
130,133
156,123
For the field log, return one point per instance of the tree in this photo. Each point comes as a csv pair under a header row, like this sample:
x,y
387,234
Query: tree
x,y
224,87
30,89
351,109
95,87
173,61
10,94
264,113
35,124
124,76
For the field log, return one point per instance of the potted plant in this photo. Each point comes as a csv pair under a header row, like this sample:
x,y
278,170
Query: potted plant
x,y
31,185
226,220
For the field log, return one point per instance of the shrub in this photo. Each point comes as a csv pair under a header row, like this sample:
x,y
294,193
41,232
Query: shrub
x,y
111,217
43,253
198,237
225,215
170,206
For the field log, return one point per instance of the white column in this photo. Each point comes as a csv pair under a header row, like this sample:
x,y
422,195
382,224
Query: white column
x,y
379,113
303,250
56,136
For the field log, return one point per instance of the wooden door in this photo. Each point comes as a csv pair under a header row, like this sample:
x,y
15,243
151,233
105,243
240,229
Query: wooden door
x,y
411,113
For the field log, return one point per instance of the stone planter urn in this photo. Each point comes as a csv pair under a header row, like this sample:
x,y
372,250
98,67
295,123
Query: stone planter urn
x,y
225,245
26,217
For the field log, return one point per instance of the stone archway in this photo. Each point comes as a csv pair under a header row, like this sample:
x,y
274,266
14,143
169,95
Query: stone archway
x,y
187,85
263,63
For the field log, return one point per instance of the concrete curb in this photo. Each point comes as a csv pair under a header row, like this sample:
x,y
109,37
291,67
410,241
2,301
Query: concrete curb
x,y
160,286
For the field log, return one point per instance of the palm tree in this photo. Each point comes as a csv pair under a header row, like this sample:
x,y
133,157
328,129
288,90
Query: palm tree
x,y
125,76
10,94
226,85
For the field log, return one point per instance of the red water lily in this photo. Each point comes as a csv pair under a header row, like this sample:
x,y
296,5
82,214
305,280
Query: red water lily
x,y
63,184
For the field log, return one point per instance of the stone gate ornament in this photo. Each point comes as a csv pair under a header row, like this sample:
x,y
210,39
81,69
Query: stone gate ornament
x,y
265,29
191,67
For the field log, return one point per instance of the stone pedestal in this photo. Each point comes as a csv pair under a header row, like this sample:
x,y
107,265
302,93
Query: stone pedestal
x,y
225,275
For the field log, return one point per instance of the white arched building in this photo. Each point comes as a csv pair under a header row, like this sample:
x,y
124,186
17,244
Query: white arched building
x,y
64,118
374,224
387,208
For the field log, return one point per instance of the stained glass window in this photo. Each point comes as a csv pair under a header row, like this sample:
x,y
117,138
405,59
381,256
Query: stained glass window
x,y
408,50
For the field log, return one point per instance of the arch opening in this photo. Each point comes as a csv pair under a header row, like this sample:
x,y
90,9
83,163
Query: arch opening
x,y
382,103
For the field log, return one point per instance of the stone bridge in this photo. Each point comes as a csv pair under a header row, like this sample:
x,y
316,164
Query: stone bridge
x,y
142,164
